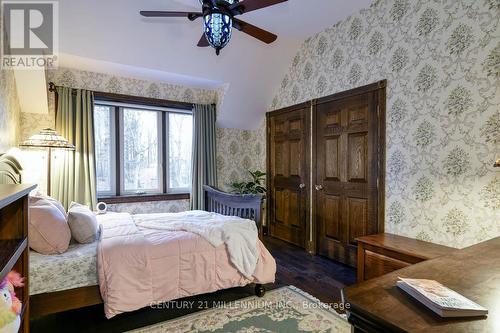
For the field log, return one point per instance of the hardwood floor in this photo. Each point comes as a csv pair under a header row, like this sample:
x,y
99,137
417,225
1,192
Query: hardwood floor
x,y
320,277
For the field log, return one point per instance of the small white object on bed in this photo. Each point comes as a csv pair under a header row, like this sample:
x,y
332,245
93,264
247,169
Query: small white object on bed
x,y
101,208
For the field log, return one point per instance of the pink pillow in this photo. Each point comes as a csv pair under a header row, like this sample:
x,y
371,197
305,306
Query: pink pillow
x,y
53,201
48,231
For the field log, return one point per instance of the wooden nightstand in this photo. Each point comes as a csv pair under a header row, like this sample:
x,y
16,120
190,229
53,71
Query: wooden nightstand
x,y
383,253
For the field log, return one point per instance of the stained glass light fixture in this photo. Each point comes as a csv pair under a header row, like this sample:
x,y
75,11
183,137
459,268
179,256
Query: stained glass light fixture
x,y
218,23
219,19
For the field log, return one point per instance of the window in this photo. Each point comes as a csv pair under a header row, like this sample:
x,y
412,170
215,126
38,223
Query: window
x,y
142,149
179,151
104,148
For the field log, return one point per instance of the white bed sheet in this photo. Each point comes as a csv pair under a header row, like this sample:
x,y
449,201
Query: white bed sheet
x,y
73,269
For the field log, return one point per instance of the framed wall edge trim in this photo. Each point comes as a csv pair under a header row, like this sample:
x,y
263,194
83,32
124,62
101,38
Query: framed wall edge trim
x,y
382,111
288,109
379,85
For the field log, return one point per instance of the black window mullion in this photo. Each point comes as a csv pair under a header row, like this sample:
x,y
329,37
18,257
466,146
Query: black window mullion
x,y
118,153
164,154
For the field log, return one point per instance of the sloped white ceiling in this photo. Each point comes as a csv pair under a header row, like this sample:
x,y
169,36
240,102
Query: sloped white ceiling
x,y
97,32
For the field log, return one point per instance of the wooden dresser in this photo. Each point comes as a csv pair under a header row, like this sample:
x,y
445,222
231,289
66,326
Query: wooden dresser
x,y
379,306
383,253
14,250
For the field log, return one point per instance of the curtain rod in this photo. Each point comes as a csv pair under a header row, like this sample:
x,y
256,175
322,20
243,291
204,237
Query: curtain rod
x,y
52,87
104,96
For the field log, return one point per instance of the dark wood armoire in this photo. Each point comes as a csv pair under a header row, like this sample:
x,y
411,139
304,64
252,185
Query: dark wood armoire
x,y
326,167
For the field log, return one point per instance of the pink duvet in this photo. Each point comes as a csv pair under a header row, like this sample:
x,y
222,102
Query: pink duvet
x,y
139,267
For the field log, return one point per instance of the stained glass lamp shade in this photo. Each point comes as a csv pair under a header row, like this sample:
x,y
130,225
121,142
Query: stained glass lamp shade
x,y
218,27
48,138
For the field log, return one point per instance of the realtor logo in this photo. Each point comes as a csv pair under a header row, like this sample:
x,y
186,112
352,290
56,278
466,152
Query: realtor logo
x,y
29,34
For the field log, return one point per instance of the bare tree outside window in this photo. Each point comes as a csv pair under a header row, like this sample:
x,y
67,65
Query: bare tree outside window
x,y
180,147
140,151
103,151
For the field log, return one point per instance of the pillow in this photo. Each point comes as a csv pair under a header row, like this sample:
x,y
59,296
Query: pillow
x,y
53,201
82,222
48,231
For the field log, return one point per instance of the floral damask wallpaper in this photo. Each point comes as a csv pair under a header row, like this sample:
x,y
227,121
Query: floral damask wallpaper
x,y
237,150
442,63
10,111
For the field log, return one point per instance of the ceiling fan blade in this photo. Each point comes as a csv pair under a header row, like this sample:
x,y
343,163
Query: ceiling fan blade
x,y
190,15
203,41
250,5
254,31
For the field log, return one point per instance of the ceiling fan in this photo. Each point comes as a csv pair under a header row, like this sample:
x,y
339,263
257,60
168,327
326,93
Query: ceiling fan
x,y
219,19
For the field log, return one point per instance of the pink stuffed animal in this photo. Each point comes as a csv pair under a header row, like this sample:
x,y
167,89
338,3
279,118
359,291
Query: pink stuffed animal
x,y
10,305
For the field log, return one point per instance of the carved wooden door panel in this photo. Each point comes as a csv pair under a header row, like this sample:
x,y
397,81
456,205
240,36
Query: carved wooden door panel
x,y
288,173
346,175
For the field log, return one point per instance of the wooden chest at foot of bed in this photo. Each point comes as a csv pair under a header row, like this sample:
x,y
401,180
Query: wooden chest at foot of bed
x,y
383,253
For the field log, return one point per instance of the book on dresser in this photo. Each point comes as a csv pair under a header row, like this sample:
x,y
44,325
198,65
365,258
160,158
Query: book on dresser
x,y
440,299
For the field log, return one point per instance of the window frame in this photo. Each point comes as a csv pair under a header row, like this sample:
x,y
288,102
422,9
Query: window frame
x,y
166,150
113,166
164,108
121,191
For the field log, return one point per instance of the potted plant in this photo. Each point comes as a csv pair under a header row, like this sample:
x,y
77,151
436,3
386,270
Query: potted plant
x,y
255,186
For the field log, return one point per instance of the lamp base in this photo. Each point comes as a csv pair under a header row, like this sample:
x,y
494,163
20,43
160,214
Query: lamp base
x,y
49,166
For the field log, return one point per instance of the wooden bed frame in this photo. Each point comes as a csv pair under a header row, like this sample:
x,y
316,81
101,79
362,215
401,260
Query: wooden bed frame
x,y
245,206
10,169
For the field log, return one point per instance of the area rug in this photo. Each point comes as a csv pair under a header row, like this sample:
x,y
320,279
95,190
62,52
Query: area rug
x,y
287,309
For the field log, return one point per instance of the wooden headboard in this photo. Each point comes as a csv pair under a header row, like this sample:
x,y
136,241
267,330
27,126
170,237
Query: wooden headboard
x,y
247,206
10,170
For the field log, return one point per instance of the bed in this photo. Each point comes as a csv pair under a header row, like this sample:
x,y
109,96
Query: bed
x,y
70,280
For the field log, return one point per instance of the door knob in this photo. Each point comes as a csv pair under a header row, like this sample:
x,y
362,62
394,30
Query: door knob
x,y
318,187
302,185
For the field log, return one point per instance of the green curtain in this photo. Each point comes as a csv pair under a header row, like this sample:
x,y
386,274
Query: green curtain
x,y
204,164
74,176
